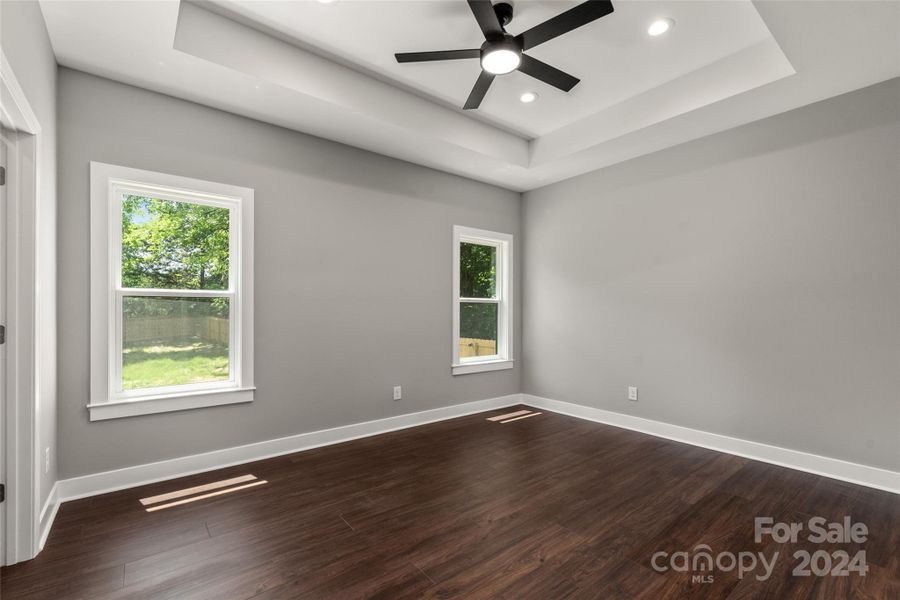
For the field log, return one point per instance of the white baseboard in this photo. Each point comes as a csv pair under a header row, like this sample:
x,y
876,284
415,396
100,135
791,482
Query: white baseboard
x,y
48,514
110,481
874,477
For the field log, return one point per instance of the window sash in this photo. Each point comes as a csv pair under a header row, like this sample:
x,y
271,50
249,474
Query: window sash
x,y
496,299
498,264
118,190
484,357
502,294
118,354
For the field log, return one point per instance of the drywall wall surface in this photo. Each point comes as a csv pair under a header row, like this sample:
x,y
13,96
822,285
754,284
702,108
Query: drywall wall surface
x,y
747,283
352,274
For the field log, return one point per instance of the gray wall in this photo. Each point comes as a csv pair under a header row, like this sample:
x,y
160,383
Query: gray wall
x,y
748,282
352,269
26,45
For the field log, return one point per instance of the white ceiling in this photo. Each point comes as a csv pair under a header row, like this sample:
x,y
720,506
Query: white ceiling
x,y
614,57
328,69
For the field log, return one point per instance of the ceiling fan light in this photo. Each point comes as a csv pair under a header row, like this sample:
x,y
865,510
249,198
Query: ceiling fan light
x,y
500,61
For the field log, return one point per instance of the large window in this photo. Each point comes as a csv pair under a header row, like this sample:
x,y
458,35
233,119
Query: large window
x,y
171,293
482,301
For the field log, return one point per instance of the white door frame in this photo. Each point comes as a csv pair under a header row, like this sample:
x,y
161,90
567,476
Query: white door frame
x,y
20,396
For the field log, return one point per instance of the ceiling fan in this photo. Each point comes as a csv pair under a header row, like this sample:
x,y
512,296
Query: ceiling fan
x,y
503,53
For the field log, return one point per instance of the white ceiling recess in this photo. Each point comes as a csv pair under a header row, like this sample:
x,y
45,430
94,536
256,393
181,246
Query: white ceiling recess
x,y
328,69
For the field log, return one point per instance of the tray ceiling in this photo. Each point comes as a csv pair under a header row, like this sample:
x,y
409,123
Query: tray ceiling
x,y
328,69
614,57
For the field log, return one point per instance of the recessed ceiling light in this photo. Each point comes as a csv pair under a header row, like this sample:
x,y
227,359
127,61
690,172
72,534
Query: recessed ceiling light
x,y
660,26
528,97
326,1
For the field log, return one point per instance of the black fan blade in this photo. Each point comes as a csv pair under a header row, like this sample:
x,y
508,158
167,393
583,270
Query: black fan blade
x,y
404,57
573,18
547,74
481,87
487,18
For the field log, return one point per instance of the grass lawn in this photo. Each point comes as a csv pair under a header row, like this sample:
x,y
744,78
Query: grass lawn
x,y
155,364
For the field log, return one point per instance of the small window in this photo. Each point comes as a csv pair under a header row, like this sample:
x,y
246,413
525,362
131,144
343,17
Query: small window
x,y
482,301
171,293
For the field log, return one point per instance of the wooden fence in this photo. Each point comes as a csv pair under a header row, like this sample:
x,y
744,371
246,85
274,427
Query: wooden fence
x,y
207,329
476,347
215,330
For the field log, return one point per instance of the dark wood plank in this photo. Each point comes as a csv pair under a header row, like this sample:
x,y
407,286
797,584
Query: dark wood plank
x,y
545,507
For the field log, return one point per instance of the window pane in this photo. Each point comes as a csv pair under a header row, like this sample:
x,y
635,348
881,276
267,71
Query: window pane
x,y
477,271
477,329
174,245
173,341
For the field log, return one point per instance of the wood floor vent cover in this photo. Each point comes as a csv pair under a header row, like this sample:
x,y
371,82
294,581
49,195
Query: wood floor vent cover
x,y
513,416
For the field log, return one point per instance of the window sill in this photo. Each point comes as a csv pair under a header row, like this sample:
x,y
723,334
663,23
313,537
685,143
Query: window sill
x,y
480,367
171,402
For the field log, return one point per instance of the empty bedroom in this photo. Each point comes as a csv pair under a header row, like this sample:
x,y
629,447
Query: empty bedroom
x,y
515,300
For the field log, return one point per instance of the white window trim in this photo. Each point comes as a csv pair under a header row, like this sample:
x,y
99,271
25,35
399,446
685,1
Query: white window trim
x,y
107,184
504,300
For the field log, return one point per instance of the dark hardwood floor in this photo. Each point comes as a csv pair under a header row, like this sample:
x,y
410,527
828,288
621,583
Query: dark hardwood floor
x,y
546,507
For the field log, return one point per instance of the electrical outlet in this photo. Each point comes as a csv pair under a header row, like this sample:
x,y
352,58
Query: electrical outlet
x,y
46,460
398,392
632,393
